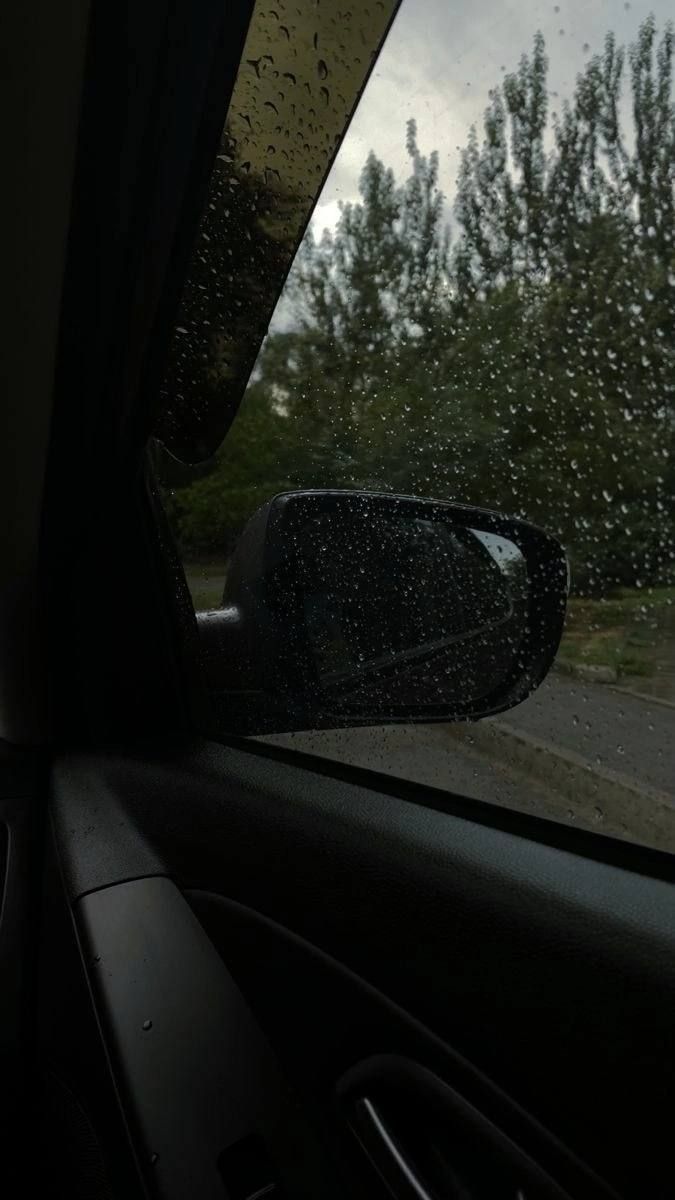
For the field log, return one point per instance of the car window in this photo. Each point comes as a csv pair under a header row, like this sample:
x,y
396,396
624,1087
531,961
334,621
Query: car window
x,y
482,310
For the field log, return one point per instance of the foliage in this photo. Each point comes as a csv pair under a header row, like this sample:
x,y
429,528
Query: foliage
x,y
529,366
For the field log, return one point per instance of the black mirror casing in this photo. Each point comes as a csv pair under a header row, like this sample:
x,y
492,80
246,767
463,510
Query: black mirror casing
x,y
352,608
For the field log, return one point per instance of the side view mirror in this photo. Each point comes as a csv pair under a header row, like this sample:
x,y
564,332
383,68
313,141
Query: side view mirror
x,y
344,608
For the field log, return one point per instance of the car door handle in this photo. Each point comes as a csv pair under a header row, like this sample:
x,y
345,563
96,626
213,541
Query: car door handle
x,y
427,1143
386,1155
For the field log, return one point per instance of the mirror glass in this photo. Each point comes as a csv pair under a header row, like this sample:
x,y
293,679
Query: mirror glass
x,y
412,610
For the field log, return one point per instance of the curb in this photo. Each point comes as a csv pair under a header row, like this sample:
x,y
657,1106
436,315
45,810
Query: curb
x,y
586,672
603,799
572,671
644,696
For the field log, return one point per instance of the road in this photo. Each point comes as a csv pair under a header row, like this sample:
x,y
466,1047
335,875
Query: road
x,y
607,728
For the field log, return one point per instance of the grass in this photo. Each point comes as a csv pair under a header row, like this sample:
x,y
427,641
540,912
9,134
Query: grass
x,y
206,581
624,631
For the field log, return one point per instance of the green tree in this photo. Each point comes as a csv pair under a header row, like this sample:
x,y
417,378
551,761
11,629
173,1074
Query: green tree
x,y
577,249
530,367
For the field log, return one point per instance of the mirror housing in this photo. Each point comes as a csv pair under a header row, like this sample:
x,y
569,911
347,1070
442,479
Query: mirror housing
x,y
353,608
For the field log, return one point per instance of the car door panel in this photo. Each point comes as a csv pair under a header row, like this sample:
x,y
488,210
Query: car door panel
x,y
549,971
324,1019
21,796
197,1076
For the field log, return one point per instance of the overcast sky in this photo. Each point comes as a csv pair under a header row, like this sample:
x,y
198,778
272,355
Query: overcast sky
x,y
441,59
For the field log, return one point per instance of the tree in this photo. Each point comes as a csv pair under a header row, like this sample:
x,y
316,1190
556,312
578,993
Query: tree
x,y
577,248
529,367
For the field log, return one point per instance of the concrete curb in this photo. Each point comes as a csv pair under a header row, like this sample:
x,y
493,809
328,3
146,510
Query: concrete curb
x,y
572,671
606,800
644,696
586,672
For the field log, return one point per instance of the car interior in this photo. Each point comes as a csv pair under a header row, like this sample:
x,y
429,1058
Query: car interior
x,y
230,969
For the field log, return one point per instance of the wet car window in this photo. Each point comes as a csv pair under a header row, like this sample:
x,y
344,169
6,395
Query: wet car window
x,y
482,310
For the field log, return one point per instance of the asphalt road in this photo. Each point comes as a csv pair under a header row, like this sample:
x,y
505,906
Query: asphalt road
x,y
609,729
